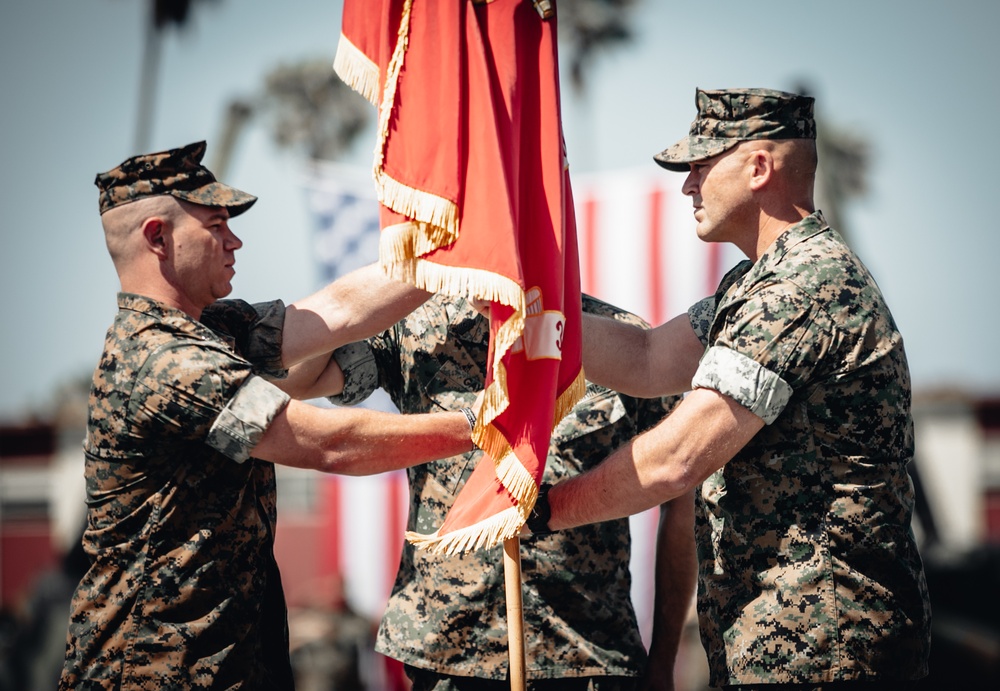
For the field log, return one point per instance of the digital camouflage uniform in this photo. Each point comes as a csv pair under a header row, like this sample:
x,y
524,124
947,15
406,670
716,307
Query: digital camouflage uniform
x,y
808,566
448,613
184,591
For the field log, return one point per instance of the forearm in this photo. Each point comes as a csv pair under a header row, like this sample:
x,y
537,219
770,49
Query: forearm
x,y
614,353
313,378
624,484
702,434
360,442
352,308
675,579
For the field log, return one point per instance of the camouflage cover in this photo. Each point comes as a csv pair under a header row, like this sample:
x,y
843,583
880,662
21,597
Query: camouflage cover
x,y
448,614
183,591
726,118
176,172
809,570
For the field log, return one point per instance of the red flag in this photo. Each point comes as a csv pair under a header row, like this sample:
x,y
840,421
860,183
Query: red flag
x,y
470,170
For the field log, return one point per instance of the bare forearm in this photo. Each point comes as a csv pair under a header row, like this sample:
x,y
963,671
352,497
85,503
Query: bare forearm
x,y
313,378
352,308
675,578
361,442
623,485
702,434
614,353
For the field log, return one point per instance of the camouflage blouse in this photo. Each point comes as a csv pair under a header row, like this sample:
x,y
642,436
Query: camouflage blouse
x,y
183,591
808,566
447,614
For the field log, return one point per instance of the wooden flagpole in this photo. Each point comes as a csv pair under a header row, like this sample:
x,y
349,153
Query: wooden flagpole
x,y
515,612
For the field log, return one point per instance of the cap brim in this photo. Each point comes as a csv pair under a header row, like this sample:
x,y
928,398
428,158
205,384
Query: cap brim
x,y
681,155
218,194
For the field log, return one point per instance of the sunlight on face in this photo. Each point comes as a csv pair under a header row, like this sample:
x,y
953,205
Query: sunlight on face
x,y
720,192
205,253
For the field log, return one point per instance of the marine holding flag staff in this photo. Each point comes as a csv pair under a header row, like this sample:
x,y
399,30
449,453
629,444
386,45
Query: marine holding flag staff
x,y
189,410
797,426
445,618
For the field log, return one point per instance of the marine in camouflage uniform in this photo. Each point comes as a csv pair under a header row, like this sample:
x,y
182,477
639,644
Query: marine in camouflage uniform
x,y
183,591
797,428
809,568
447,614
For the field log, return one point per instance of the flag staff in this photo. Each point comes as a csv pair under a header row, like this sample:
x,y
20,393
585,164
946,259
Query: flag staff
x,y
515,611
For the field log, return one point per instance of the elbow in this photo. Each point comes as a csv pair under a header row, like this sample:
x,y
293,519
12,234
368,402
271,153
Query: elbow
x,y
671,481
333,462
666,474
346,461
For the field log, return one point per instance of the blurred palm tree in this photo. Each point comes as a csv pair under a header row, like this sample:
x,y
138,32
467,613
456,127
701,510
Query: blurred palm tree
x,y
588,28
309,109
844,164
161,16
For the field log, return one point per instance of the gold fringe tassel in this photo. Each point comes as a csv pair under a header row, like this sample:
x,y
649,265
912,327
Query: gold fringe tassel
x,y
438,212
403,243
570,397
487,533
517,480
399,256
429,208
356,69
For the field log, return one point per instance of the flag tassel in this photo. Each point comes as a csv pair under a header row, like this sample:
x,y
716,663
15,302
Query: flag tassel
x,y
492,531
357,71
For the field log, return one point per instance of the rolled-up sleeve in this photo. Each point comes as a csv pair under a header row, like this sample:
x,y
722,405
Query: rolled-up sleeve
x,y
243,421
357,362
759,390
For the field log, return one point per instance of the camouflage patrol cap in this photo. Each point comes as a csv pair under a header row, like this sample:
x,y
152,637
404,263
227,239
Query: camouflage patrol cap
x,y
726,118
178,173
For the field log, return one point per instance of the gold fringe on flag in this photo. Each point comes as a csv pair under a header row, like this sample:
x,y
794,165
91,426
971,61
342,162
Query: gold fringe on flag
x,y
570,397
510,472
357,71
401,247
419,205
480,535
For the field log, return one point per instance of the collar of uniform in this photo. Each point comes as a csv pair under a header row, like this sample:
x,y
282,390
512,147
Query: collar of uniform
x,y
811,225
163,312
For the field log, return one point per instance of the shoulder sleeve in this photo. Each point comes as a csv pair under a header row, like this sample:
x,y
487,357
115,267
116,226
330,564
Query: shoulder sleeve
x,y
701,315
764,346
256,330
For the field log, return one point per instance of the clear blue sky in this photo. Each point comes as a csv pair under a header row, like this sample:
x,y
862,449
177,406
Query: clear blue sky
x,y
916,77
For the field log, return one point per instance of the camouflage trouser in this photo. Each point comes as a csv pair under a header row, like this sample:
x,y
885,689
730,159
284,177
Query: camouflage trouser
x,y
889,685
426,680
